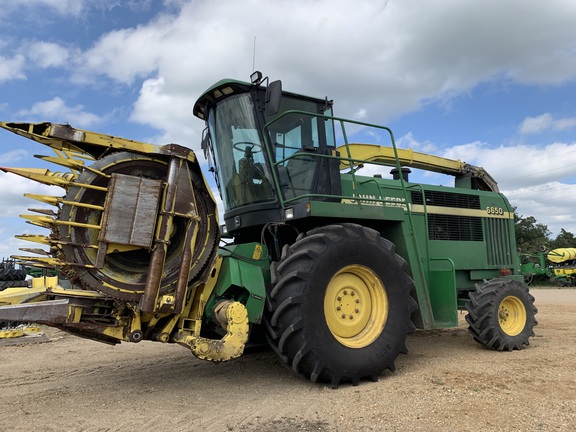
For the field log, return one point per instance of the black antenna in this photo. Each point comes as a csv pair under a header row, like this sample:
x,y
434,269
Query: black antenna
x,y
254,56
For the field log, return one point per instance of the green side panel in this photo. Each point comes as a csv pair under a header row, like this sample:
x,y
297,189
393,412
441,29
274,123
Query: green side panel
x,y
476,275
442,288
465,254
243,277
354,209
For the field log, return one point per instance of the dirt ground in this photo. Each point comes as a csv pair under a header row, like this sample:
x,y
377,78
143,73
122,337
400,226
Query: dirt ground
x,y
446,382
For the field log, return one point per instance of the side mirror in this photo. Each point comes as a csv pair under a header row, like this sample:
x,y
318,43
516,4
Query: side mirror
x,y
273,96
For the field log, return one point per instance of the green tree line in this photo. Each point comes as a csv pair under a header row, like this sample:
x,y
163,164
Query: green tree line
x,y
532,237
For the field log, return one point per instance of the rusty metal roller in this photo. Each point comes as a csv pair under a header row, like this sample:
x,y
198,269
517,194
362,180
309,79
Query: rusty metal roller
x,y
137,220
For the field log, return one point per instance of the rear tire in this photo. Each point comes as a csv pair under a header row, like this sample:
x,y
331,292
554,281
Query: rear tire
x,y
501,315
12,274
13,284
340,305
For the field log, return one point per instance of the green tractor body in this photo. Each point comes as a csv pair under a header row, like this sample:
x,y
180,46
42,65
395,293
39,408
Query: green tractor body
x,y
328,249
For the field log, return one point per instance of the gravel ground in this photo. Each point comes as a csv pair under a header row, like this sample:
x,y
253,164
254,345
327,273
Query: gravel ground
x,y
446,382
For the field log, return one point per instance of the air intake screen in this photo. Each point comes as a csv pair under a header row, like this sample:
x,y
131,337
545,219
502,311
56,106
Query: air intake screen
x,y
456,228
446,199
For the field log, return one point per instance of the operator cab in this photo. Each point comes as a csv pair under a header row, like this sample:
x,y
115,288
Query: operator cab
x,y
268,149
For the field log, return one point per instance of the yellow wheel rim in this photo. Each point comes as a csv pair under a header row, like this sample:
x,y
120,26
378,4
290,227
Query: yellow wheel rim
x,y
512,315
356,306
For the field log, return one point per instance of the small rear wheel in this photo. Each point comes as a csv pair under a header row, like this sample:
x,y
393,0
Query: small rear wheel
x,y
340,305
12,274
13,284
501,314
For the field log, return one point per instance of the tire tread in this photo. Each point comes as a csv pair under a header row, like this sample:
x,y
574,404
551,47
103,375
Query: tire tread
x,y
286,302
482,317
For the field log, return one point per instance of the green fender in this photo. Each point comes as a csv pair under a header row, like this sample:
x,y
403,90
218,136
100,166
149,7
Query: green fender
x,y
243,277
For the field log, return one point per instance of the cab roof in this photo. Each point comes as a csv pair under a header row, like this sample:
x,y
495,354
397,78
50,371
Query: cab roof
x,y
222,88
227,87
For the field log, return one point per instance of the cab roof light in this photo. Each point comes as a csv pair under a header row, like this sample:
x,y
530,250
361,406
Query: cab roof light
x,y
256,77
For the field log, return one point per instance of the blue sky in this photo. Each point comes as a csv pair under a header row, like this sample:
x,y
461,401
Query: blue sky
x,y
491,83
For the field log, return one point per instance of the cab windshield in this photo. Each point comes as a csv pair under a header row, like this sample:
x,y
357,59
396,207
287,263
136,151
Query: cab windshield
x,y
299,139
242,173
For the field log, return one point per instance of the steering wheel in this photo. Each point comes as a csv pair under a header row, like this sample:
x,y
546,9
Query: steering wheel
x,y
248,150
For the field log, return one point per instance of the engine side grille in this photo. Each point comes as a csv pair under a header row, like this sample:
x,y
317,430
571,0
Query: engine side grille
x,y
447,199
456,228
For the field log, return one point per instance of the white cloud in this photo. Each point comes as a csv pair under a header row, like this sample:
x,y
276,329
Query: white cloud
x,y
534,179
48,54
549,203
43,54
360,114
538,124
565,123
56,110
122,55
520,165
12,68
13,156
408,141
402,55
168,113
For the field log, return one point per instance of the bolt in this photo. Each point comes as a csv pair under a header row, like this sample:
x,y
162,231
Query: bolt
x,y
351,317
357,310
352,293
345,292
357,300
339,298
343,315
338,308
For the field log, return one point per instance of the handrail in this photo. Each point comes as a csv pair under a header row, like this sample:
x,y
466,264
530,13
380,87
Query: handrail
x,y
419,275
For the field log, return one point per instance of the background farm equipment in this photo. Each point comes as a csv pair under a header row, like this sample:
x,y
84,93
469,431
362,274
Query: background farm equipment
x,y
12,274
559,265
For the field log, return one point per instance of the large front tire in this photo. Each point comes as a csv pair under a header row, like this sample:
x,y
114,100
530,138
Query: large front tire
x,y
340,305
501,314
